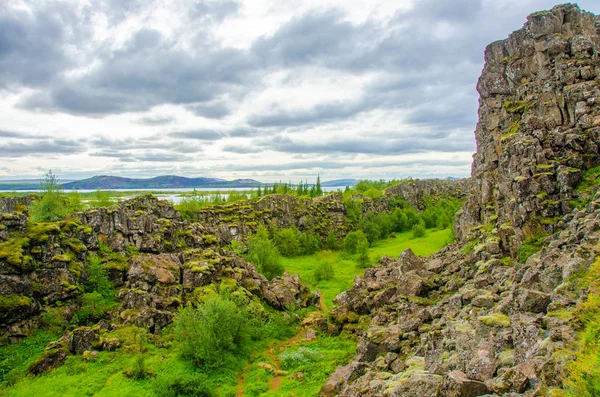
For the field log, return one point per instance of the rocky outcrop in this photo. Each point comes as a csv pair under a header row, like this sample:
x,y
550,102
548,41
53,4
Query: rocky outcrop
x,y
417,191
477,318
156,260
539,126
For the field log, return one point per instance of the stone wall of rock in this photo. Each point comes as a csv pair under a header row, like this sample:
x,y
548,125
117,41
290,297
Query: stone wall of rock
x,y
415,191
539,125
472,320
323,214
154,259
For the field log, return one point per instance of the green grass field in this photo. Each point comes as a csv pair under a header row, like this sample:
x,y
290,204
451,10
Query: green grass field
x,y
345,269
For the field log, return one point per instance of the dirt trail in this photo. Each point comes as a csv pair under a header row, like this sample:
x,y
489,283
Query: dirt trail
x,y
273,354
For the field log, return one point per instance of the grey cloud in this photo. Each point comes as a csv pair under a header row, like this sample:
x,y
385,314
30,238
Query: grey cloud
x,y
32,44
156,120
388,146
318,114
19,149
212,110
333,164
241,149
200,134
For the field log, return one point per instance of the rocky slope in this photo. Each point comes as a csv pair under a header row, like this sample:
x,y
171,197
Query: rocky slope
x,y
483,317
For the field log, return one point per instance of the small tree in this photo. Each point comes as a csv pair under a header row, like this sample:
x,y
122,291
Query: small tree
x,y
353,241
318,190
331,243
418,230
212,333
323,271
263,253
363,259
52,206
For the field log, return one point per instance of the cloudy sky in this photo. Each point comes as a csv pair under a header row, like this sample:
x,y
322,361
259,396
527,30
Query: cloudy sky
x,y
264,89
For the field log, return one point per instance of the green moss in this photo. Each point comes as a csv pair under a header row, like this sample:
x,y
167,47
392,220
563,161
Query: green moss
x,y
14,302
496,320
531,245
12,250
40,232
584,372
506,357
516,106
65,258
209,239
75,245
512,129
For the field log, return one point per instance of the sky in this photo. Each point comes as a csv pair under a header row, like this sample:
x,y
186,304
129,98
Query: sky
x,y
264,89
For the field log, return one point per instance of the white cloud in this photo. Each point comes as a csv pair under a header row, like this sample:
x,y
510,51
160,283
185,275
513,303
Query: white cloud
x,y
263,88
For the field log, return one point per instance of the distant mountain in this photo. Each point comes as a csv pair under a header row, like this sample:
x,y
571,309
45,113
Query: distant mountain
x,y
340,182
106,182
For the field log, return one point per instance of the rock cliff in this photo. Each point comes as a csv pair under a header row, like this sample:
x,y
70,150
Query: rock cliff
x,y
494,314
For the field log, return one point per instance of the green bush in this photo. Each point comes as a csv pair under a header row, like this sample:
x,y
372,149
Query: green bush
x,y
291,359
263,253
323,271
331,242
53,205
138,369
363,260
309,243
101,199
94,306
182,385
97,277
213,333
418,230
353,240
286,241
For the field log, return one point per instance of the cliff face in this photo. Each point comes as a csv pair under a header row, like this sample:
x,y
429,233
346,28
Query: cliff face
x,y
539,125
486,316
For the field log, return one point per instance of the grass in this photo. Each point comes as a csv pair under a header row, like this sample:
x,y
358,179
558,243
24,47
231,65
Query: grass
x,y
345,270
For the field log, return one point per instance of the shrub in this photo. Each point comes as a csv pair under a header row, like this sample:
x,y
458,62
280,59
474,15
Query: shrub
x,y
352,240
97,277
53,205
94,306
418,230
309,243
182,385
138,369
101,199
363,259
291,359
286,241
263,253
323,271
211,334
331,242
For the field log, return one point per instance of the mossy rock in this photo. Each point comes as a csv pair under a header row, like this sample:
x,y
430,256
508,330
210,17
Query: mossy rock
x,y
496,320
12,250
11,303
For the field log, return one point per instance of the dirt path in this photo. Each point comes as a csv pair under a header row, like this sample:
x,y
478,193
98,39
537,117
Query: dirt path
x,y
273,354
